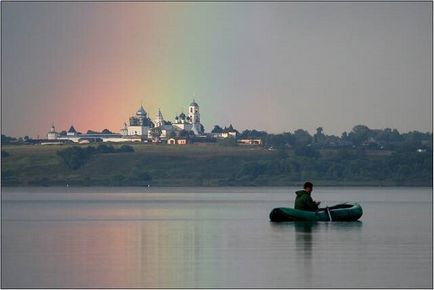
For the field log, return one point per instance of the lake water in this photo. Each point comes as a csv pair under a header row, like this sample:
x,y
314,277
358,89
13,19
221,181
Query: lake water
x,y
211,237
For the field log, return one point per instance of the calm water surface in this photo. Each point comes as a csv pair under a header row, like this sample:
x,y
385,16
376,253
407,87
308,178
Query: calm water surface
x,y
220,237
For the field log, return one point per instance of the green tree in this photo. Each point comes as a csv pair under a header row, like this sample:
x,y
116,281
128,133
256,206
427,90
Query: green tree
x,y
183,134
104,148
217,129
155,132
126,148
319,137
253,134
74,157
7,139
359,134
302,138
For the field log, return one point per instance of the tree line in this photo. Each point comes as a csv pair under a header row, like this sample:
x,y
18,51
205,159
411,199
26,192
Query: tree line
x,y
360,136
75,157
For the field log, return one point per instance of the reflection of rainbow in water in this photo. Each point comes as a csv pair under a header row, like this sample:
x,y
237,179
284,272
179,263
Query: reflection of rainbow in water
x,y
116,254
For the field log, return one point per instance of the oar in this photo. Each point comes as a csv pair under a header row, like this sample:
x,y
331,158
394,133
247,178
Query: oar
x,y
328,212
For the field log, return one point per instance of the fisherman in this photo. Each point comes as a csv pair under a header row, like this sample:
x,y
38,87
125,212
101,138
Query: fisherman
x,y
304,201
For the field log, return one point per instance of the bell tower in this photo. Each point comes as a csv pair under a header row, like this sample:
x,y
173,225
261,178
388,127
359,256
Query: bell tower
x,y
159,121
193,113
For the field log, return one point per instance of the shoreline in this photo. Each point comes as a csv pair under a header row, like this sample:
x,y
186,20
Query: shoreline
x,y
317,186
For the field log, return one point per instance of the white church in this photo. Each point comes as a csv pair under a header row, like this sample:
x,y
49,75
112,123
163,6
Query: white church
x,y
140,127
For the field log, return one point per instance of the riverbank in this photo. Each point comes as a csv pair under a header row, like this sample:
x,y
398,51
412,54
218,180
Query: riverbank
x,y
213,165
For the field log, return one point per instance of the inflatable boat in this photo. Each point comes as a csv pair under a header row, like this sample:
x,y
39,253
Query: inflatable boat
x,y
349,211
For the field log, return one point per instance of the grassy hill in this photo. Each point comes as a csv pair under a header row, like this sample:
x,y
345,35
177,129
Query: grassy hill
x,y
209,165
165,165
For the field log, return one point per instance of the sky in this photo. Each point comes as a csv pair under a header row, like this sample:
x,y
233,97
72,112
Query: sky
x,y
275,66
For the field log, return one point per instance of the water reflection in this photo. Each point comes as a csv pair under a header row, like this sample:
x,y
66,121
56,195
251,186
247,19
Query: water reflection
x,y
309,239
102,254
303,238
303,246
152,241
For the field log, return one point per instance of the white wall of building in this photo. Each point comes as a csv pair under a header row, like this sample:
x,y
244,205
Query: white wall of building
x,y
52,136
122,139
138,131
184,126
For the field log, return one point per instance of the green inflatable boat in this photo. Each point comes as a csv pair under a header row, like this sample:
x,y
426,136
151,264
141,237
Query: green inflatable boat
x,y
350,211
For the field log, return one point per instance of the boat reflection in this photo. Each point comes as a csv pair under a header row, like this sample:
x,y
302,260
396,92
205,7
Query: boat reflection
x,y
309,240
304,240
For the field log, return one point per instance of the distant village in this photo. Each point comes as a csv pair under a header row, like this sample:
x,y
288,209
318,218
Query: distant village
x,y
184,129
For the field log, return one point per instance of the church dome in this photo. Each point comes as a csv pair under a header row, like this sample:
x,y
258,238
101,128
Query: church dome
x,y
72,130
141,111
159,115
182,116
194,104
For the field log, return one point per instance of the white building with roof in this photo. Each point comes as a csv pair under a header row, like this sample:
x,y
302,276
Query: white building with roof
x,y
71,132
52,135
165,127
190,122
139,128
140,124
194,115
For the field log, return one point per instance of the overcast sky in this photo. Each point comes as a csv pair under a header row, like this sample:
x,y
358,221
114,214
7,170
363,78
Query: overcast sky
x,y
269,66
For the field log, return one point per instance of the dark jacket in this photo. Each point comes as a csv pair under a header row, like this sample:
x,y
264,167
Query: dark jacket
x,y
304,201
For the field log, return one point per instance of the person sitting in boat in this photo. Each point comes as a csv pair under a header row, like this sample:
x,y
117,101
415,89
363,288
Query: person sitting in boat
x,y
304,201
